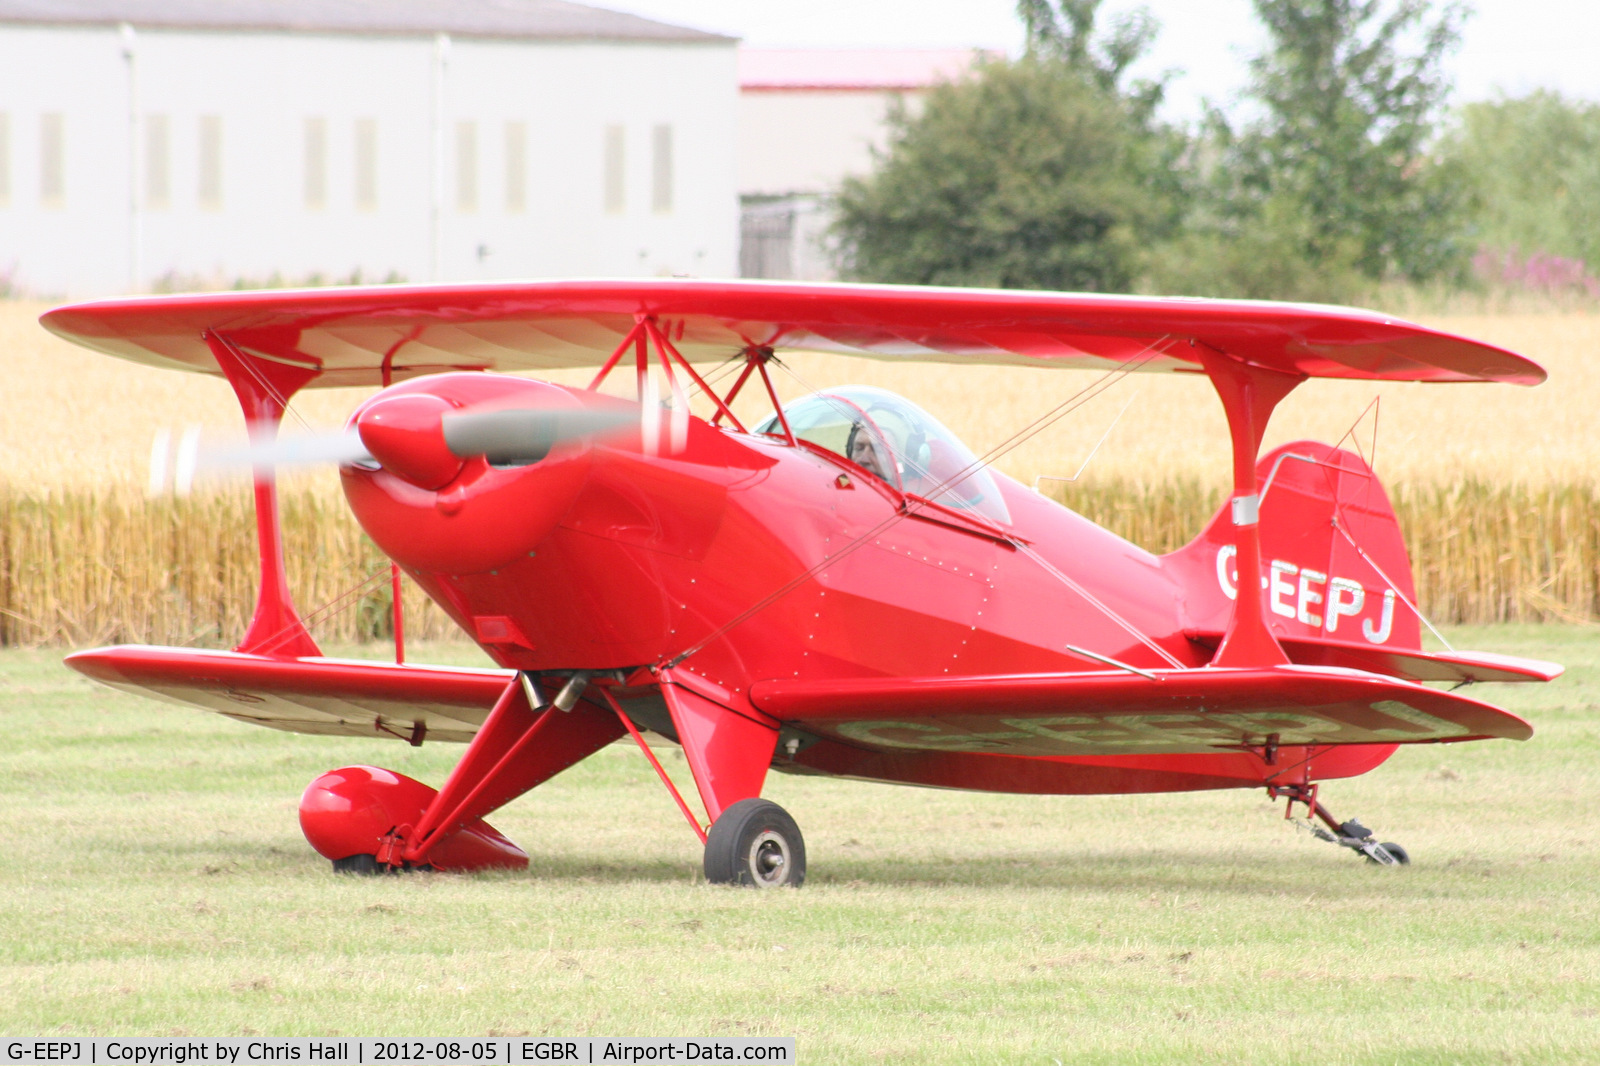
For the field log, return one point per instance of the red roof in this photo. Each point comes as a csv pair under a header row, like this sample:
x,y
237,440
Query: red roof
x,y
857,69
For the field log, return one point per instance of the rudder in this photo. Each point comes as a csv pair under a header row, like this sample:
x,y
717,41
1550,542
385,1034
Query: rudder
x,y
1334,564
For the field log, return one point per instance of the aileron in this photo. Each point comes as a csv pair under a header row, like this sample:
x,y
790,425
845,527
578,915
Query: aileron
x,y
317,696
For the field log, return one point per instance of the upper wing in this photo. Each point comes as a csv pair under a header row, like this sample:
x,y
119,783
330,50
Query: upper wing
x,y
352,334
337,697
1115,713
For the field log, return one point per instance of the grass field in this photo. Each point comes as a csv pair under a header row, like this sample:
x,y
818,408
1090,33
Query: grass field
x,y
156,883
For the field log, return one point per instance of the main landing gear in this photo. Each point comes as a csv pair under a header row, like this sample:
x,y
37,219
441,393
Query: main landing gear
x,y
1351,834
755,843
368,820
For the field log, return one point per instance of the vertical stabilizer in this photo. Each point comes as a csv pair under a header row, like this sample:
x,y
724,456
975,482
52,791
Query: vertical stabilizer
x,y
1333,562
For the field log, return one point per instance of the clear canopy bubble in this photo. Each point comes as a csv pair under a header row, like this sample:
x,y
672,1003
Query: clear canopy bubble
x,y
894,439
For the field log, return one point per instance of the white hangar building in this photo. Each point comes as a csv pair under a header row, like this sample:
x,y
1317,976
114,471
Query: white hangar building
x,y
161,143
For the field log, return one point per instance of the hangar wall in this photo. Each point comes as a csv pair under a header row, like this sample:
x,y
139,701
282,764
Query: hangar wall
x,y
139,158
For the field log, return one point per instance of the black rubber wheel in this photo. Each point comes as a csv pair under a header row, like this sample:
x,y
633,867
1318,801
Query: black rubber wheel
x,y
755,843
366,865
1397,853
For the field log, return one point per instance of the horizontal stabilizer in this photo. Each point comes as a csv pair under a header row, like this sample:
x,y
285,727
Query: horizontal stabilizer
x,y
1119,713
332,697
1455,666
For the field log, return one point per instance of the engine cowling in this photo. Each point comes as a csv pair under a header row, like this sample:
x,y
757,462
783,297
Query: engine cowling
x,y
432,510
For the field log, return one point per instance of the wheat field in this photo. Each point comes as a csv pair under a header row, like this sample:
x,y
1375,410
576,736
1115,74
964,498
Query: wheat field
x,y
77,419
1495,485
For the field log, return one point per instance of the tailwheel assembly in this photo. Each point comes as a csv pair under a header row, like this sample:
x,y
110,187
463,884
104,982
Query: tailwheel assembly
x,y
1400,855
1354,835
755,843
1350,834
359,865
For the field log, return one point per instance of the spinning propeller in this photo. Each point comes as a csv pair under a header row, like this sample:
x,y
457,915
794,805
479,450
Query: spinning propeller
x,y
519,435
425,439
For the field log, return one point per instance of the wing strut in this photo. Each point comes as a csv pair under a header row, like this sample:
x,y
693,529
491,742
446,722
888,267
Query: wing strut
x,y
1249,394
647,333
264,388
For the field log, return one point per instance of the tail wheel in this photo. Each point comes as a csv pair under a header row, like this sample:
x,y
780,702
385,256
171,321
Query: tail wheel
x,y
755,843
359,864
1400,856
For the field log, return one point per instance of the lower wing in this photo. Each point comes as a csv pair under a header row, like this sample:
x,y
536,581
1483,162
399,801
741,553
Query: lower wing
x,y
335,697
1119,713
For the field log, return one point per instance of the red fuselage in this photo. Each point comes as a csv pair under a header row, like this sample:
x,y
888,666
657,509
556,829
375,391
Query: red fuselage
x,y
773,561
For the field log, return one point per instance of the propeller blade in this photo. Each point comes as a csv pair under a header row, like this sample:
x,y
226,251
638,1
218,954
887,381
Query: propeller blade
x,y
650,416
180,468
508,436
341,448
159,449
516,435
677,418
188,456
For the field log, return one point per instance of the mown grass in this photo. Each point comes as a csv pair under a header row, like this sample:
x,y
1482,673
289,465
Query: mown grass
x,y
156,883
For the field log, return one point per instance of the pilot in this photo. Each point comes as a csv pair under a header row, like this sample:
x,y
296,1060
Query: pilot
x,y
865,451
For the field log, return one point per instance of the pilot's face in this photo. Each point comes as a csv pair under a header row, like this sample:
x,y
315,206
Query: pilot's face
x,y
865,455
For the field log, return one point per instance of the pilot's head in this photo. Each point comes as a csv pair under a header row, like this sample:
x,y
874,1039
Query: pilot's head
x,y
866,452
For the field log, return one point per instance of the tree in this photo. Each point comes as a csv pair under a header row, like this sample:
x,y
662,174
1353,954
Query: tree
x,y
1330,186
1039,173
1066,33
1532,167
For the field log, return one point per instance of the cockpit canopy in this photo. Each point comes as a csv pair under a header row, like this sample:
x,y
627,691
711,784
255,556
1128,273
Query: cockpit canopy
x,y
894,439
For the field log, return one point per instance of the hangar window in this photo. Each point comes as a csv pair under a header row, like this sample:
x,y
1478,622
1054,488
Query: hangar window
x,y
466,167
366,164
52,159
516,167
5,159
616,189
211,162
316,158
157,162
661,170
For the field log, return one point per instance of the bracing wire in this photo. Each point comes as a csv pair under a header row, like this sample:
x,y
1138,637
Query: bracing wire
x,y
1039,425
1110,377
1092,451
334,607
1387,580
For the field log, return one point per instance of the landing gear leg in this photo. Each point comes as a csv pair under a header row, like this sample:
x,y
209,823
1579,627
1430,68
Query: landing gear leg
x,y
1351,834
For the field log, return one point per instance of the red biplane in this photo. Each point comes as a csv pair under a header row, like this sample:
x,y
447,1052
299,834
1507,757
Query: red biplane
x,y
843,589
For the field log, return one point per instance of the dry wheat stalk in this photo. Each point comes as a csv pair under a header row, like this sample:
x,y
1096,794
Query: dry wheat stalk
x,y
82,567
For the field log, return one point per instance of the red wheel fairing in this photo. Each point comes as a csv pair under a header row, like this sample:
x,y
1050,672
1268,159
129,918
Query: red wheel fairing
x,y
350,811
